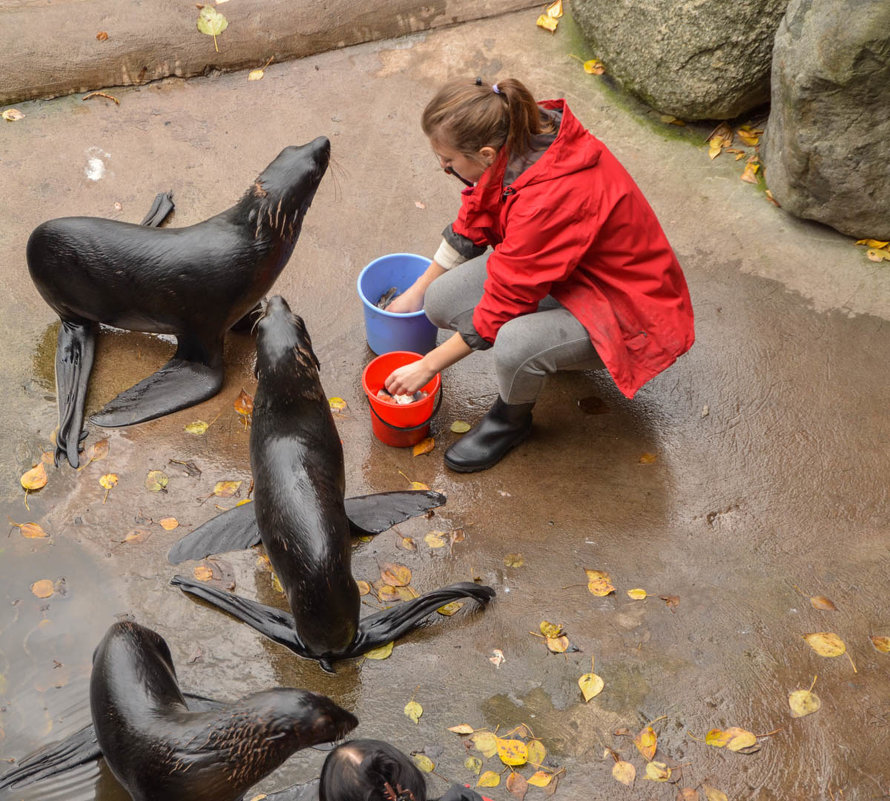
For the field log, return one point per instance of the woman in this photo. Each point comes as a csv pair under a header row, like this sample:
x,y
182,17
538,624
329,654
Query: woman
x,y
580,275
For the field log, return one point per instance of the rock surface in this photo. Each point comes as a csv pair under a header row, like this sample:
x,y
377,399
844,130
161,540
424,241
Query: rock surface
x,y
693,59
827,141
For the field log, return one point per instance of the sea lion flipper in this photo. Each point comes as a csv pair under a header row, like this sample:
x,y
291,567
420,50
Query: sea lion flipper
x,y
233,530
75,349
177,385
276,624
160,208
390,624
53,759
371,514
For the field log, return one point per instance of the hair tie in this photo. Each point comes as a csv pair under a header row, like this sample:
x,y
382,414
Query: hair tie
x,y
494,88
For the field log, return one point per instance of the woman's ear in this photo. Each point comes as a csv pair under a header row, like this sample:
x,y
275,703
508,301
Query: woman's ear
x,y
488,155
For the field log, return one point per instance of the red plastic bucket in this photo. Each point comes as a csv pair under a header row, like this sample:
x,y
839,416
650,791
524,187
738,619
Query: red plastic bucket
x,y
400,425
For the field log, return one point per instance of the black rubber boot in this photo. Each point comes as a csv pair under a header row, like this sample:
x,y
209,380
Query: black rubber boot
x,y
504,426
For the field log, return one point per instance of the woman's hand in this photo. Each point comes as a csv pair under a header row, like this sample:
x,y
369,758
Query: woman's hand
x,y
411,300
409,378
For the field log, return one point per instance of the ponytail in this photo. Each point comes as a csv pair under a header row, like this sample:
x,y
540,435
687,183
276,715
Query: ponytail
x,y
470,116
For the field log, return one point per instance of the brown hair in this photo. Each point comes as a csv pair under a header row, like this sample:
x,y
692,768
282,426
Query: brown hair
x,y
471,115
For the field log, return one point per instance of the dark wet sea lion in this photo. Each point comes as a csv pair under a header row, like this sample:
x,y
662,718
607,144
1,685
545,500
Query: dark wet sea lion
x,y
162,744
195,283
299,483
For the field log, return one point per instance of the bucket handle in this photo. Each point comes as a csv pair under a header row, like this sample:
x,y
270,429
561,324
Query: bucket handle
x,y
409,428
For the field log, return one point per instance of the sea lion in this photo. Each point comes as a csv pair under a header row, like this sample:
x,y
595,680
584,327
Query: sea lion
x,y
299,482
163,744
195,283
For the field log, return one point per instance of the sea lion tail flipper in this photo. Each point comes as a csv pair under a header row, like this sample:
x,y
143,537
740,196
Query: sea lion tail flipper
x,y
371,514
180,383
233,530
75,348
160,208
276,624
54,758
390,624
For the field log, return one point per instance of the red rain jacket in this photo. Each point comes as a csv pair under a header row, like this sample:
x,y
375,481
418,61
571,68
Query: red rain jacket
x,y
574,225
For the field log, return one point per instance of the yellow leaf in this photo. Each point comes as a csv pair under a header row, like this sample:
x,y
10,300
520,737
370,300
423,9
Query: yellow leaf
x,y
882,644
413,710
12,115
637,594
512,752
109,480
363,587
748,135
168,523
424,446
98,450
749,175
43,588
591,685
803,702
473,764
460,427
547,22
33,531
558,645
872,243
226,489
388,593
825,643
713,794
244,501
823,603
156,480
424,762
408,544
489,779
554,9
648,458
136,535
741,739
198,427
594,67
383,652
395,575
462,728
551,629
255,75
514,560
435,539
599,582
485,742
540,778
657,772
646,742
203,573
449,609
536,752
337,404
878,255
687,794
244,404
35,478
624,772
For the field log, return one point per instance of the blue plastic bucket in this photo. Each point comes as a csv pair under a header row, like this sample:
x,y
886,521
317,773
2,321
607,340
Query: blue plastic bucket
x,y
386,331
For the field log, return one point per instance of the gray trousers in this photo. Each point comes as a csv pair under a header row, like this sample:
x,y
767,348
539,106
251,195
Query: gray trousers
x,y
528,348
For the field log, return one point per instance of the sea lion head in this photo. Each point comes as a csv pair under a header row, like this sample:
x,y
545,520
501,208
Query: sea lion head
x,y
309,717
283,192
283,341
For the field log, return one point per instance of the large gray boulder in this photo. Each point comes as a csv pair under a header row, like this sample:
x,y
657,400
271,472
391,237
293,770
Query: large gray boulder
x,y
695,59
827,141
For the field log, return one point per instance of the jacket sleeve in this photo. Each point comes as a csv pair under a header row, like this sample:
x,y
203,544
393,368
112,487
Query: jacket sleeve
x,y
545,237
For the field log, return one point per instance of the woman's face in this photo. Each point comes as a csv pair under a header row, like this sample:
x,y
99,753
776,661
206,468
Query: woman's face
x,y
470,167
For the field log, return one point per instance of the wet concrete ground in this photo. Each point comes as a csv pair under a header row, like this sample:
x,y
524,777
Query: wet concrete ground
x,y
769,483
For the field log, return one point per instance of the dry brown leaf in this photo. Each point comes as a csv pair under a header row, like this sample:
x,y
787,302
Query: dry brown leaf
x,y
823,603
558,645
424,446
33,531
516,785
646,742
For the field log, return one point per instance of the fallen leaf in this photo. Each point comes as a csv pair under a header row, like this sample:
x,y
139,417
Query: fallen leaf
x,y
109,480
514,560
244,404
536,752
646,742
98,450
881,644
713,794
599,582
749,175
733,738
486,742
226,489
395,575
749,135
823,603
624,772
648,458
473,764
450,608
407,543
878,255
255,75
416,485
35,478
462,728
825,643
423,761
168,523
363,587
872,243
670,119
594,67
211,22
554,9
43,588
512,752
803,702
687,794
516,785
435,539
102,36
12,115
670,600
498,657
637,594
33,531
547,22
203,573
424,446
413,710
136,535
550,629
591,685
488,779
657,772
156,481
540,778
383,652
558,645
